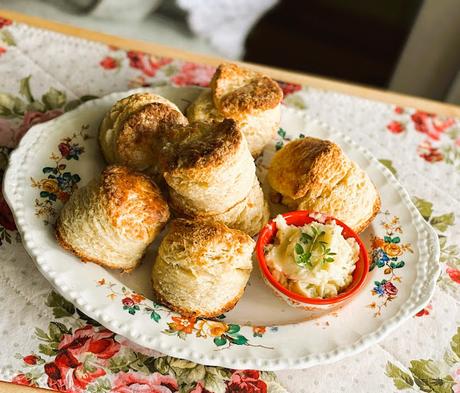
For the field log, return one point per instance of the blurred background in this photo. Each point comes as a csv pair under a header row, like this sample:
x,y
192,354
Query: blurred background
x,y
409,46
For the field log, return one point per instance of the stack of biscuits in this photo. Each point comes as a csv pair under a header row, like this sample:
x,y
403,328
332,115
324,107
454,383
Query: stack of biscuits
x,y
211,175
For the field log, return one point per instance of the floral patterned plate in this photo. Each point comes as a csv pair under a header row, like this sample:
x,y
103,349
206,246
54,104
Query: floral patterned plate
x,y
262,332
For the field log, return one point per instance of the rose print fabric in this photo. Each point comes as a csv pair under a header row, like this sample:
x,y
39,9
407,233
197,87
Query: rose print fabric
x,y
47,342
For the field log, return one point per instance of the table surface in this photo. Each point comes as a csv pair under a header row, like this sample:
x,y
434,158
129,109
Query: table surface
x,y
311,81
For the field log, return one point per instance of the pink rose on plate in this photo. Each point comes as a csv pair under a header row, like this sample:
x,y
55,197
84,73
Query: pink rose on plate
x,y
31,118
390,289
135,382
194,74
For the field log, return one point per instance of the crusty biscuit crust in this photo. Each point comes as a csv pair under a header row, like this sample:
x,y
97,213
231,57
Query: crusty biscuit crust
x,y
200,145
197,234
239,91
138,136
127,191
301,165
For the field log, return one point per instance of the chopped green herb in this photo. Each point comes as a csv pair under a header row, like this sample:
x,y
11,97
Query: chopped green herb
x,y
308,244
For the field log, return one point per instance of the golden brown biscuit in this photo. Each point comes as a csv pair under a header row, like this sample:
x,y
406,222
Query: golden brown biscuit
x,y
202,267
129,133
113,219
258,128
250,98
314,174
207,166
237,91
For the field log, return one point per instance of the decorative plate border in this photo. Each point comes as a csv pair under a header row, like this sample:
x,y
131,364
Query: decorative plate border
x,y
428,267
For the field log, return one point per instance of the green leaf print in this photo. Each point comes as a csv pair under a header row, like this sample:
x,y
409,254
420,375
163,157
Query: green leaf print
x,y
238,339
389,165
233,329
428,378
47,350
24,89
424,207
214,383
7,38
155,316
401,379
61,307
54,98
219,341
192,374
11,106
441,223
455,343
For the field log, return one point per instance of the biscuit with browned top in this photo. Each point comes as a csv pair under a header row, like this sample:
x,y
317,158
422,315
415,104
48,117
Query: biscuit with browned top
x,y
207,166
129,133
202,267
250,98
113,219
315,175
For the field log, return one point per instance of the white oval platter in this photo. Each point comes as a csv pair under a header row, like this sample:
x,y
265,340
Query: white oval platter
x,y
262,332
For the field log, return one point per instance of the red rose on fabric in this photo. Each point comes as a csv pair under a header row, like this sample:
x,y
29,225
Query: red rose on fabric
x,y
428,123
146,63
86,339
21,379
6,217
390,289
30,359
56,377
454,274
66,359
428,152
81,377
5,22
399,110
396,127
194,74
2,50
135,382
31,118
289,88
109,63
246,381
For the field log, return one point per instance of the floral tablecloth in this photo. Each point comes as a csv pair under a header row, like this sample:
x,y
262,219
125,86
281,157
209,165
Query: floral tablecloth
x,y
47,342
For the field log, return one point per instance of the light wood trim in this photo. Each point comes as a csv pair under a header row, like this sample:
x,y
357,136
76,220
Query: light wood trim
x,y
6,387
288,76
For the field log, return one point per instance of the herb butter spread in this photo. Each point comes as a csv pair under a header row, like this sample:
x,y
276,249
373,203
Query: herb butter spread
x,y
314,260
